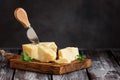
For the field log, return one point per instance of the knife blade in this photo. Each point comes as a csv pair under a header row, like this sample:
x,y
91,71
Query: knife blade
x,y
21,15
32,36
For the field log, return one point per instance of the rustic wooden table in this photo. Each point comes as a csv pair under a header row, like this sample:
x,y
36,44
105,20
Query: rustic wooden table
x,y
105,66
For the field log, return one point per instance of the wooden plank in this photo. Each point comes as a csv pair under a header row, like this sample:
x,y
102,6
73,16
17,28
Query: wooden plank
x,y
5,72
116,54
27,75
104,67
76,75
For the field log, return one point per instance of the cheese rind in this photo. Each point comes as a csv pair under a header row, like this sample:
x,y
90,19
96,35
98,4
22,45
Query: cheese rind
x,y
68,53
44,51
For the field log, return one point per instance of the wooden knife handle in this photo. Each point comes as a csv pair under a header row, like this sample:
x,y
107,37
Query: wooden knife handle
x,y
21,15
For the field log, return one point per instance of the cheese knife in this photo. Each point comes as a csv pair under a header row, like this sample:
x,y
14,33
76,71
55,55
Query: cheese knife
x,y
21,15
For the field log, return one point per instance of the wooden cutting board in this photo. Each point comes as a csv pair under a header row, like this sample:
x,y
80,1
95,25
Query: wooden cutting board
x,y
51,68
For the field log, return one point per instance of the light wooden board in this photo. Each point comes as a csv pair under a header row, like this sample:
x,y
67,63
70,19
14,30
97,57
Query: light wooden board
x,y
104,67
77,75
116,54
5,72
26,75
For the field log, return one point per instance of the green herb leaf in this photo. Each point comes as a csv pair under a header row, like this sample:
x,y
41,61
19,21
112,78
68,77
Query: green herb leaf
x,y
26,57
22,58
25,54
80,57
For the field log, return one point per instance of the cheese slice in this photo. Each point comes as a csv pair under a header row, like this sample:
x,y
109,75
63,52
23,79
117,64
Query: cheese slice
x,y
44,51
31,49
68,53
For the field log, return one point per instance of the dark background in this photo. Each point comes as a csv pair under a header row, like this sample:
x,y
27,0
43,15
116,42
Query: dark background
x,y
81,23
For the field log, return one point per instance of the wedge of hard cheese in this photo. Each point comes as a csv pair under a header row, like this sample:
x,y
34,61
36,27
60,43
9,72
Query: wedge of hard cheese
x,y
44,51
47,51
67,55
31,49
50,45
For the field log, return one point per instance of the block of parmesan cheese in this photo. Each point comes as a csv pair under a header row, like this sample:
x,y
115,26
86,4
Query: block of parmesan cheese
x,y
31,49
47,51
50,45
67,54
44,51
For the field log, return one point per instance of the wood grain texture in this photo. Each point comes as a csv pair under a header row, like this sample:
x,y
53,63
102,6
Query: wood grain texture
x,y
26,75
51,68
116,54
5,70
104,67
76,75
21,15
6,73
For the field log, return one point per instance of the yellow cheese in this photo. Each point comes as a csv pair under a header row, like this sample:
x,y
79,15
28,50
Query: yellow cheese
x,y
68,53
62,60
47,51
50,45
44,51
31,49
